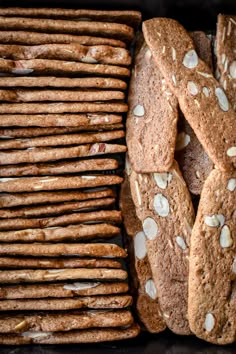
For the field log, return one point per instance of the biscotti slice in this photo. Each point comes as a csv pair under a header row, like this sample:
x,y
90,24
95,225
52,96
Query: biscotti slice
x,y
71,337
63,107
58,168
62,290
65,249
69,52
193,160
164,206
190,79
65,322
110,216
56,263
91,28
144,290
36,38
226,55
152,116
129,17
212,274
19,199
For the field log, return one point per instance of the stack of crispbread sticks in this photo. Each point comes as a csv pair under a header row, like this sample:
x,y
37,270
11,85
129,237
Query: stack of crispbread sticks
x,y
63,79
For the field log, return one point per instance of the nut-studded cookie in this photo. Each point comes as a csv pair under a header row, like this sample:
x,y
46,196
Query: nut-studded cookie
x,y
65,322
212,278
152,116
164,206
192,82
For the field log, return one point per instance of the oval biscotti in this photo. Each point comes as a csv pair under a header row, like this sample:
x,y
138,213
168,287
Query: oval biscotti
x,y
192,82
212,277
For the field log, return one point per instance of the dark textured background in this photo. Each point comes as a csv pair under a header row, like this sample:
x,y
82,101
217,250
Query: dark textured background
x,y
194,14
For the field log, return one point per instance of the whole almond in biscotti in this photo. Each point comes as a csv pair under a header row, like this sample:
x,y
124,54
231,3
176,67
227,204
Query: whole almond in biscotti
x,y
65,322
63,107
77,121
129,17
36,38
66,249
142,287
212,277
190,79
58,168
41,154
68,82
62,290
152,116
91,28
76,336
52,263
164,206
19,199
69,52
24,95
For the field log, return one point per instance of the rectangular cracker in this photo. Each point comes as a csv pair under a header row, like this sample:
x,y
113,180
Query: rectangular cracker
x,y
212,273
152,116
190,79
36,38
91,28
46,275
31,184
24,95
65,249
62,290
112,216
164,206
68,82
65,322
76,336
41,154
69,52
58,168
129,17
57,120
94,302
59,140
63,107
57,263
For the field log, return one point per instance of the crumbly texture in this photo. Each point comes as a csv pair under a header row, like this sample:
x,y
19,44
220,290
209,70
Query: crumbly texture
x,y
226,55
56,168
128,17
24,95
76,336
62,290
147,308
32,184
63,249
15,199
70,233
164,206
51,81
36,38
103,29
212,278
191,80
152,116
67,139
112,216
56,263
65,322
71,52
93,302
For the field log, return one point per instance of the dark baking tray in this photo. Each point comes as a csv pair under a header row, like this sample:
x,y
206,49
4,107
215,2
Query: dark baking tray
x,y
194,15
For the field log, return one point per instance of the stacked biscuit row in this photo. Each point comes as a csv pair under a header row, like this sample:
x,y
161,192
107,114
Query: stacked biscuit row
x,y
63,79
181,138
